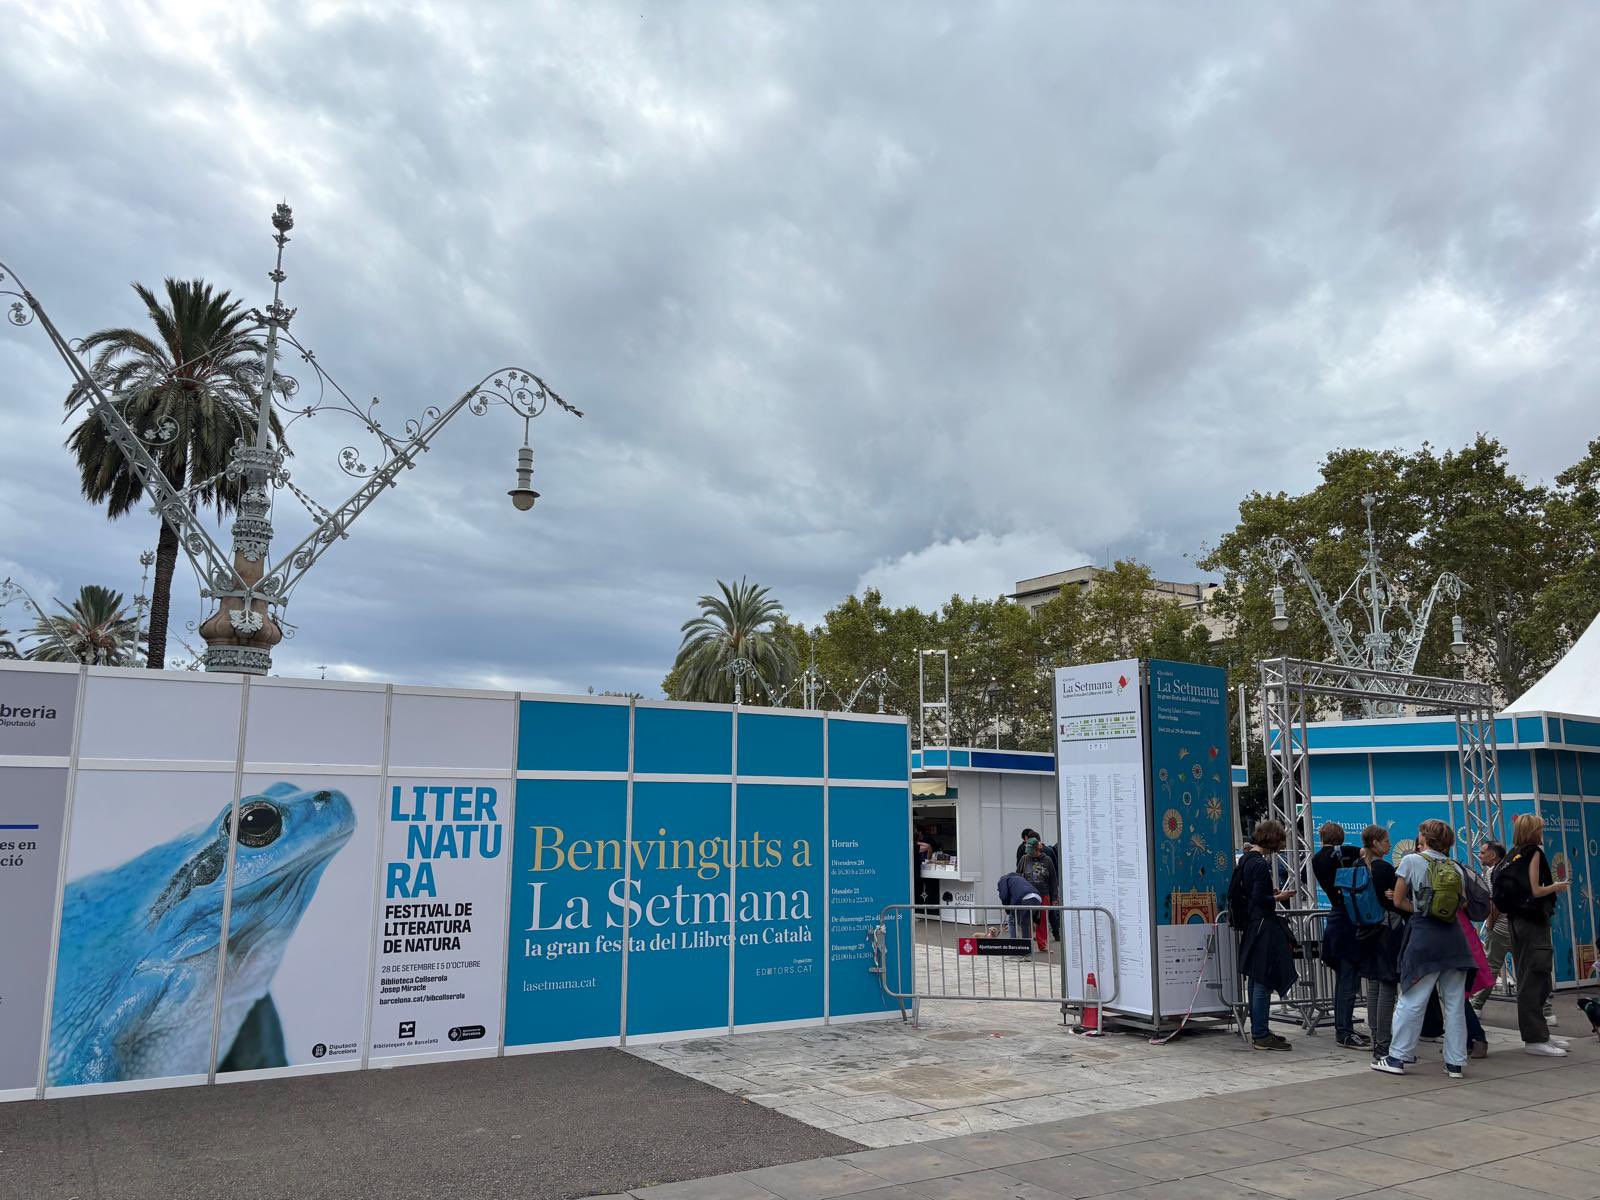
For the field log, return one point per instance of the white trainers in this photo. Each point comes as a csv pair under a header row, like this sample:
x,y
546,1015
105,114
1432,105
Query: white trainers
x,y
1545,1049
1559,1041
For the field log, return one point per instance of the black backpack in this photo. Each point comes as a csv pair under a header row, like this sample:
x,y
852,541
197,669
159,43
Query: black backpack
x,y
1239,895
1512,895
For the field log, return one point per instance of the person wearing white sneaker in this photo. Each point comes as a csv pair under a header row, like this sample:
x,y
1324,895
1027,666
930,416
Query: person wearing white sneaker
x,y
1526,892
1434,955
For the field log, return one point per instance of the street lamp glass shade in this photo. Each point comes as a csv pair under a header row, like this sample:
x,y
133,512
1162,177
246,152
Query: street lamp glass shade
x,y
1458,637
1280,615
523,494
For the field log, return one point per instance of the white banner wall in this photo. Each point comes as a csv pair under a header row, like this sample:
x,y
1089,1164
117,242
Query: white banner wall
x,y
1105,835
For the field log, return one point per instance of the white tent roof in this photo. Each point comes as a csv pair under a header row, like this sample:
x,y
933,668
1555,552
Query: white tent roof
x,y
1572,686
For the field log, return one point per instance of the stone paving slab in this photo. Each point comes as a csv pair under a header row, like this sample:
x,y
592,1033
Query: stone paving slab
x,y
1517,1125
985,1067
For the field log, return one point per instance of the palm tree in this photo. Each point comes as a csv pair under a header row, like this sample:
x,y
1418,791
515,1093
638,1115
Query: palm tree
x,y
740,623
97,629
8,648
200,372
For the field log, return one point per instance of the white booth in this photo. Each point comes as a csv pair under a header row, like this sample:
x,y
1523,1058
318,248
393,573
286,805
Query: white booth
x,y
977,802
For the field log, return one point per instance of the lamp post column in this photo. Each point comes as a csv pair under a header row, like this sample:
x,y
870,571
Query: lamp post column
x,y
240,635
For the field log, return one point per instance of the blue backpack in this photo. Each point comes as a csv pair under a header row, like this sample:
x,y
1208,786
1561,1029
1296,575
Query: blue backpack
x,y
1359,895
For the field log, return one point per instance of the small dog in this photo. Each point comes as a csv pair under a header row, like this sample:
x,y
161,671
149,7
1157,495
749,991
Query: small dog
x,y
1590,1007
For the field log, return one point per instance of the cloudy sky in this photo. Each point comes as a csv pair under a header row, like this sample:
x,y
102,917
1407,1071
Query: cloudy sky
x,y
931,297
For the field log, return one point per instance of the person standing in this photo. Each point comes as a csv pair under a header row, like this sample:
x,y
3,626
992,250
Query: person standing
x,y
1039,869
1497,929
1434,953
1526,893
1380,944
1341,951
1266,956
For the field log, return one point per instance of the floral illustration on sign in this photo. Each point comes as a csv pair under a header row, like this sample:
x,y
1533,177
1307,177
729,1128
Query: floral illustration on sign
x,y
1172,824
1214,808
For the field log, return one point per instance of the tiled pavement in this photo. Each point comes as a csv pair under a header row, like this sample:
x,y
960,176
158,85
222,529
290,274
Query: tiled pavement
x,y
982,1067
1517,1126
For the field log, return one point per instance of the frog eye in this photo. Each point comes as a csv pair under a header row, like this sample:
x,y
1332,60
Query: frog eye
x,y
259,825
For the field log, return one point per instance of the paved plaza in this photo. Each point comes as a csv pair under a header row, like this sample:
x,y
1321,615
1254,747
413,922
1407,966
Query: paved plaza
x,y
1517,1126
981,1067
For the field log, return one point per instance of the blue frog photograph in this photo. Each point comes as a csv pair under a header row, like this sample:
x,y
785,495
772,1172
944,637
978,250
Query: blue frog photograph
x,y
136,980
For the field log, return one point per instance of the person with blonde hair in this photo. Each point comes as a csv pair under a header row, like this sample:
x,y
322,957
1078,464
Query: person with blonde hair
x,y
1526,892
1434,953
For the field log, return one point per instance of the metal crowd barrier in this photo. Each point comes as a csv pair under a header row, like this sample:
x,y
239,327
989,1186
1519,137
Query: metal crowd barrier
x,y
1310,1000
993,953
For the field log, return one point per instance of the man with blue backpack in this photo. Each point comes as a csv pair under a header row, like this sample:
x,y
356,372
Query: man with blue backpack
x,y
1347,883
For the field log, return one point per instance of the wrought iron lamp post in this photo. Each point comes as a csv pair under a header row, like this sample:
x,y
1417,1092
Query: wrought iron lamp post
x,y
10,590
1381,648
251,585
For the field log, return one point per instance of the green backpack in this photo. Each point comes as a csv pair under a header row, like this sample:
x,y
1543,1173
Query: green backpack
x,y
1444,889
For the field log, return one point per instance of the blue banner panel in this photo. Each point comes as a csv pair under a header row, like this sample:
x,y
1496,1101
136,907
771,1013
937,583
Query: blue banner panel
x,y
1343,775
1582,894
682,741
681,905
869,868
773,745
1193,794
1563,839
871,750
564,944
782,891
560,736
1420,774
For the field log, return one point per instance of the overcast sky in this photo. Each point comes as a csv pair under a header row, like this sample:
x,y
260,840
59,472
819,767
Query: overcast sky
x,y
932,297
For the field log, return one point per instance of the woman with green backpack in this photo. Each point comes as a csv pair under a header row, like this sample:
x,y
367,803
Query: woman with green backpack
x,y
1434,953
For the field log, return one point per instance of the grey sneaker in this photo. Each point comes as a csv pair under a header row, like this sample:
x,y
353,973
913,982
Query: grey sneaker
x,y
1478,1050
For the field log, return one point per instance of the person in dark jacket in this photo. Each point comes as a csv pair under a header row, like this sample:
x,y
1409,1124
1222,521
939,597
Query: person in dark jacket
x,y
1266,956
1530,936
1380,947
1341,949
1017,893
1038,867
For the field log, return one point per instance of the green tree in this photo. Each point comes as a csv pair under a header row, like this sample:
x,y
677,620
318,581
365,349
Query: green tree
x,y
196,377
97,628
744,621
8,648
1525,553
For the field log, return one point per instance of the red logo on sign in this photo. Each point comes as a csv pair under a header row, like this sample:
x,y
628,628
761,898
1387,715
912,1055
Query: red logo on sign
x,y
1122,682
968,946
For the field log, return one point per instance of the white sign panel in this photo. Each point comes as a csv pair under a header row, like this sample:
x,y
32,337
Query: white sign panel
x,y
1105,822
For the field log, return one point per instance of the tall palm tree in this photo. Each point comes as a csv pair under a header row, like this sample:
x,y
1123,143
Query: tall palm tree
x,y
743,622
98,628
201,372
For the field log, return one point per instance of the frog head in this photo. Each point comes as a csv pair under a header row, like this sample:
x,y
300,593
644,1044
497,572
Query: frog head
x,y
286,836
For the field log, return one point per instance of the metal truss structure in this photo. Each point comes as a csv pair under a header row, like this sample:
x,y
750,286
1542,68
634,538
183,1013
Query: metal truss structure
x,y
1290,691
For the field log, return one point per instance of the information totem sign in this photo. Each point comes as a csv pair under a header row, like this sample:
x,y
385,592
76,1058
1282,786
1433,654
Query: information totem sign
x,y
1147,814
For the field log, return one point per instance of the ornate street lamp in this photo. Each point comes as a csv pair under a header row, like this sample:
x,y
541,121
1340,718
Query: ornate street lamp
x,y
1377,598
10,590
251,585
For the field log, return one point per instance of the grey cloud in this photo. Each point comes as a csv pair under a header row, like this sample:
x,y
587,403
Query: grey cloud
x,y
839,287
